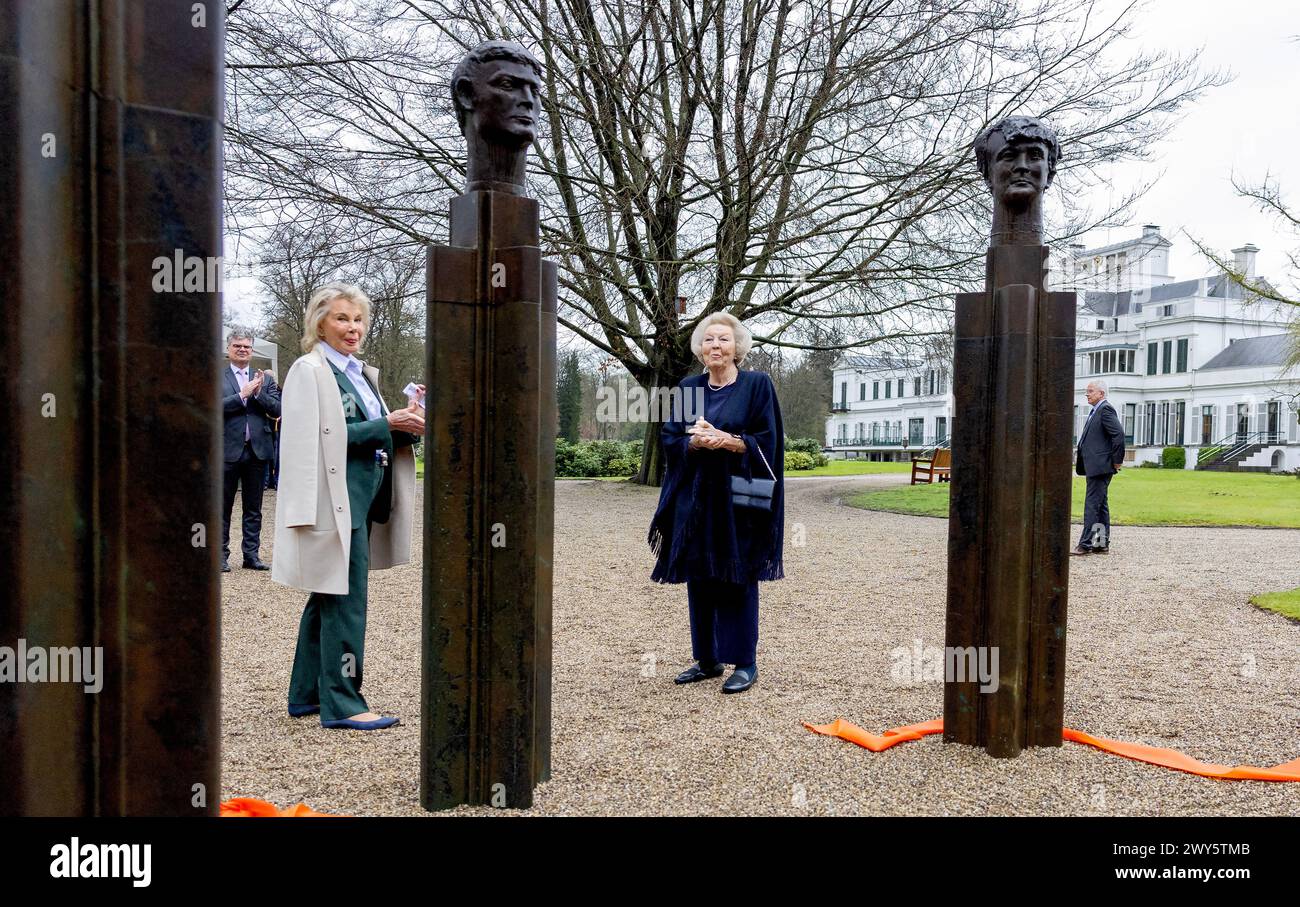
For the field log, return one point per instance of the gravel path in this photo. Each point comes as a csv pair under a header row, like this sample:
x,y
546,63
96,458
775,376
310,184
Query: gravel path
x,y
1164,649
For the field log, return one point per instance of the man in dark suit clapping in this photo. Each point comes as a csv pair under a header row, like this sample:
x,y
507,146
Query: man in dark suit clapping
x,y
1100,455
248,403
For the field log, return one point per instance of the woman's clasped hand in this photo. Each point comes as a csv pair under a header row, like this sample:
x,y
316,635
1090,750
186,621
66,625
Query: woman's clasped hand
x,y
705,436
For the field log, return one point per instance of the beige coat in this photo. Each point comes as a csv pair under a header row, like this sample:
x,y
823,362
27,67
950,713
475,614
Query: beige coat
x,y
313,517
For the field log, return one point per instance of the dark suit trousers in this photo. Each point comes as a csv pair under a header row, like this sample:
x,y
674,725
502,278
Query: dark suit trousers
x,y
1095,509
724,621
250,472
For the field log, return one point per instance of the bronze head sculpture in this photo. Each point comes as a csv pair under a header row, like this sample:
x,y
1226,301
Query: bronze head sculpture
x,y
496,90
1017,157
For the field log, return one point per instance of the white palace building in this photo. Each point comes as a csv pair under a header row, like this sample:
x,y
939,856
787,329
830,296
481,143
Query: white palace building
x,y
1189,363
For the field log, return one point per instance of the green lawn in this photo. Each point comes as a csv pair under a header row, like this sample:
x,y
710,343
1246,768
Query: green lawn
x,y
850,468
1146,497
1285,603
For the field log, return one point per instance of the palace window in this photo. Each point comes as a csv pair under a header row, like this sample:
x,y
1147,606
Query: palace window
x,y
1105,361
1182,355
1151,358
875,390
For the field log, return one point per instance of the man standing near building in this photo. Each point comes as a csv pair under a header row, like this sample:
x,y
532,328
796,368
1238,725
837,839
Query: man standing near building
x,y
248,404
1100,456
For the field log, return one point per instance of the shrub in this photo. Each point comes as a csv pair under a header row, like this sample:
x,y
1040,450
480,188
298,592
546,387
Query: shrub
x,y
1173,458
586,459
1149,464
810,446
624,466
797,459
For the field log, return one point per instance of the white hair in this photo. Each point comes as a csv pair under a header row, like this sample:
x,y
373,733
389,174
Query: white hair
x,y
1100,384
319,306
744,340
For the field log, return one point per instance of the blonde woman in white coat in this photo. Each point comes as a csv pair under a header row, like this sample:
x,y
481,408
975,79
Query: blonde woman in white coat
x,y
344,503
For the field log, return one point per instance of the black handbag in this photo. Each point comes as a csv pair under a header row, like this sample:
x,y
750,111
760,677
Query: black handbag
x,y
754,493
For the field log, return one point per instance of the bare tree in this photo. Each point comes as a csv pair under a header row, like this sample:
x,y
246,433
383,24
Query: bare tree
x,y
296,260
788,162
1267,197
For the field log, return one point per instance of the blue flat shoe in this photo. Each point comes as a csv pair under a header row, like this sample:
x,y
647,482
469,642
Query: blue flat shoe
x,y
377,725
741,680
297,711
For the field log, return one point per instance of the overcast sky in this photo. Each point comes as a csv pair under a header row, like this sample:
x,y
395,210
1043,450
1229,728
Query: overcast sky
x,y
1250,126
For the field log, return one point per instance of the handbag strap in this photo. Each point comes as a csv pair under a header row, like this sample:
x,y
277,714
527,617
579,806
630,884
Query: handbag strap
x,y
764,459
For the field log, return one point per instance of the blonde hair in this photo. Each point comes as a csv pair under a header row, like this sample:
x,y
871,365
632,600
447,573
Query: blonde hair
x,y
319,306
744,339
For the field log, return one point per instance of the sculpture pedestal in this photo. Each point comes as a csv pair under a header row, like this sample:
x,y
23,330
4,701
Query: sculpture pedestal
x,y
489,508
110,458
1008,547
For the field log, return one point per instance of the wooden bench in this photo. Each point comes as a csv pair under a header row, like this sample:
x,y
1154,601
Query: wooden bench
x,y
939,466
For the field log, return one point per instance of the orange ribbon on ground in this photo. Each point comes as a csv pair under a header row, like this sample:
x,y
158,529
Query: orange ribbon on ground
x,y
1156,755
248,807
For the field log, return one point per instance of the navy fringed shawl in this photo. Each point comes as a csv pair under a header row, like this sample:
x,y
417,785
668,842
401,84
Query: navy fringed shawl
x,y
696,533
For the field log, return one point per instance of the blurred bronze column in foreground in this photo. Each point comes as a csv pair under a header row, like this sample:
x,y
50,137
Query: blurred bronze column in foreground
x,y
1008,543
110,458
490,460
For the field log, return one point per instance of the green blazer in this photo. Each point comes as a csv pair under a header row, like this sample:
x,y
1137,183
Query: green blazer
x,y
370,486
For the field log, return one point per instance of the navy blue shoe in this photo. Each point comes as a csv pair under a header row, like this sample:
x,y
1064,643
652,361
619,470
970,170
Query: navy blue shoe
x,y
697,672
297,711
741,679
377,725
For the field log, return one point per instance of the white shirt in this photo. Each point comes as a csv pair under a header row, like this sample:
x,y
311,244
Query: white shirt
x,y
1091,413
350,367
241,378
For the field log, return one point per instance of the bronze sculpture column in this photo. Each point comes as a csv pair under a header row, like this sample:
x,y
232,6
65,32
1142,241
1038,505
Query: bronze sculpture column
x,y
110,458
1008,562
490,459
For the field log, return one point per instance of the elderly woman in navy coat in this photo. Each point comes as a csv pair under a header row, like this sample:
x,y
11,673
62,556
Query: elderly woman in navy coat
x,y
719,550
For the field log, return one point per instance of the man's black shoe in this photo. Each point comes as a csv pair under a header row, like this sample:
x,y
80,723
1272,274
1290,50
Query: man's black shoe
x,y
695,672
741,680
255,565
1078,551
225,568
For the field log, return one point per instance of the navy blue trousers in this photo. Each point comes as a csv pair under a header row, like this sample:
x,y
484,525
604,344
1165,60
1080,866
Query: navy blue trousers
x,y
724,621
